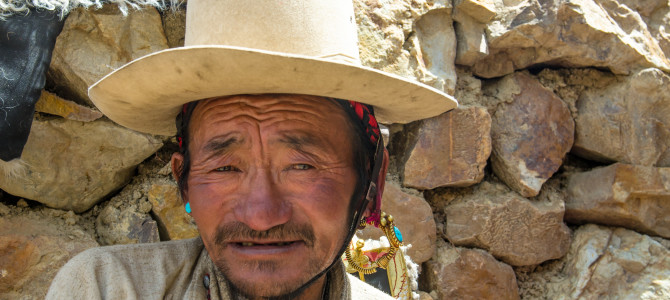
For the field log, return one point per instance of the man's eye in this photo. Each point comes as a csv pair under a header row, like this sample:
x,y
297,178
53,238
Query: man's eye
x,y
301,167
226,169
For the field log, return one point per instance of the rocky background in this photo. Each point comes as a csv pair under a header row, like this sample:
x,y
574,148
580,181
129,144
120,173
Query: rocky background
x,y
550,181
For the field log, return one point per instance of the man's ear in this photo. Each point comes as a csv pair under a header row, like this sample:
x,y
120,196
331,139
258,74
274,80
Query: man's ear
x,y
177,162
381,180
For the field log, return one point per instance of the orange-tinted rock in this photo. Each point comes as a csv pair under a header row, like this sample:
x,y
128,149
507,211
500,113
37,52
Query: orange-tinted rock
x,y
451,150
531,133
413,216
169,211
635,197
460,273
54,105
32,250
515,230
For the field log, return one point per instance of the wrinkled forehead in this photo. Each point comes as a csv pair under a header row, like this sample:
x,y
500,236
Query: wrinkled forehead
x,y
269,110
320,110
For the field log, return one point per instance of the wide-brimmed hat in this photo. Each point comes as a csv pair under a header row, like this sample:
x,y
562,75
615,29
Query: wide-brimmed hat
x,y
257,47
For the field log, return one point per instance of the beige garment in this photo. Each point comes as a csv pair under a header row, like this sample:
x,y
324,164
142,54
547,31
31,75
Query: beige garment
x,y
167,270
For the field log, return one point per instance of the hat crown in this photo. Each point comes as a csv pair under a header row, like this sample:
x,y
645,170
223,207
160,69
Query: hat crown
x,y
315,28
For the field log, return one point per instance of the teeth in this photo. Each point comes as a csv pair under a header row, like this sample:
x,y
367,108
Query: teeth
x,y
247,244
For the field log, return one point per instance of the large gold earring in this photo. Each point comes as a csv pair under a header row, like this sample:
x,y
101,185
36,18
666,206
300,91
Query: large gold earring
x,y
392,260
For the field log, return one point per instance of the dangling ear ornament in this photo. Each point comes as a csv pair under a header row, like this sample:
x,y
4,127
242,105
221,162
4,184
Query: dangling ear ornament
x,y
188,207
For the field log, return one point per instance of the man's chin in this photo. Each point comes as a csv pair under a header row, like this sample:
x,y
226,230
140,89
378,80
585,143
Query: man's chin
x,y
268,279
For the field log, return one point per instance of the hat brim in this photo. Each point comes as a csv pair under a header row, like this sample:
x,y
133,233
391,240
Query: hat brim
x,y
147,94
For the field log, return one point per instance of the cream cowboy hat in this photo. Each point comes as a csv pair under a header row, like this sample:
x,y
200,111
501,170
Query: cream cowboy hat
x,y
257,47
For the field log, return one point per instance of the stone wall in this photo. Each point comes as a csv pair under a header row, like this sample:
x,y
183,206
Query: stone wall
x,y
551,180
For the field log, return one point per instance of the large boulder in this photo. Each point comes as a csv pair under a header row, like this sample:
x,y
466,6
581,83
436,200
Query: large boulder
x,y
72,165
599,33
635,197
33,247
413,217
461,273
516,230
627,121
450,149
531,132
612,263
94,43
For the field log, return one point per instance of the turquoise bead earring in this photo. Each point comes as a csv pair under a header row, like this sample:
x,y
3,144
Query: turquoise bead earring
x,y
188,207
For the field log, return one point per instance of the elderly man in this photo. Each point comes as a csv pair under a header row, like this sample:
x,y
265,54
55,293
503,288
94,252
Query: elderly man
x,y
277,171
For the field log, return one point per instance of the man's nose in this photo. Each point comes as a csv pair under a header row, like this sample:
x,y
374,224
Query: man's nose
x,y
264,206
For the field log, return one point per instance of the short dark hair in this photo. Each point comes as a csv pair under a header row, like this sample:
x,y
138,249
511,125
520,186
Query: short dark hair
x,y
363,153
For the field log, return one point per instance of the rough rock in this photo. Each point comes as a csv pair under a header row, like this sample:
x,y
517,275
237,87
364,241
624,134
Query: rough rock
x,y
437,41
52,104
471,39
515,230
168,208
450,150
627,121
125,225
656,13
613,263
481,10
635,197
413,217
531,132
461,273
32,250
174,26
602,33
413,39
95,42
71,165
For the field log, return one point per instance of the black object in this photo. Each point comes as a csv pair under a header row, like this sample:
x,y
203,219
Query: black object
x,y
26,44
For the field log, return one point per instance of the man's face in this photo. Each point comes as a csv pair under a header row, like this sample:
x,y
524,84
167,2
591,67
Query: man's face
x,y
270,184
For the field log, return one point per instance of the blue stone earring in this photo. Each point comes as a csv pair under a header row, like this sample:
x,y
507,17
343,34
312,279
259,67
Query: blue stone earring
x,y
188,207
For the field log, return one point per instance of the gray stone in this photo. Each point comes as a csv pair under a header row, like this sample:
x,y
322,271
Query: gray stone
x,y
72,165
125,226
612,263
516,230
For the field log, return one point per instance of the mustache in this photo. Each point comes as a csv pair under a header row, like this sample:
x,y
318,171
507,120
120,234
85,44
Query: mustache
x,y
289,231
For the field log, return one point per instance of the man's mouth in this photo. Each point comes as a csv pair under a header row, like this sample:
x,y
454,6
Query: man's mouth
x,y
265,249
277,244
